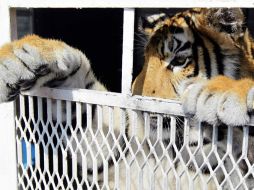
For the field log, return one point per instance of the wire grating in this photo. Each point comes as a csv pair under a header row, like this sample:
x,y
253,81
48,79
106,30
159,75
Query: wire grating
x,y
64,144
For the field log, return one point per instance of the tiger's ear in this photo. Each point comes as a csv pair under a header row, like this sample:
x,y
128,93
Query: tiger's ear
x,y
148,24
228,20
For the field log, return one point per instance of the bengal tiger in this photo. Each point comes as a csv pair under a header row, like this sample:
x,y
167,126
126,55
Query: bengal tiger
x,y
204,57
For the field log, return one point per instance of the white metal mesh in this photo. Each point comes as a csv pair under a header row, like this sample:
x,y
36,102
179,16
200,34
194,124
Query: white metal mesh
x,y
64,144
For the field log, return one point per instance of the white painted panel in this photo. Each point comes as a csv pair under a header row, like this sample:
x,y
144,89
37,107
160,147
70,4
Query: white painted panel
x,y
130,3
4,23
127,57
8,174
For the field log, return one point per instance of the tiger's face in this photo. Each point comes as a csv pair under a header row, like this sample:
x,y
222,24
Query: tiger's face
x,y
181,47
168,59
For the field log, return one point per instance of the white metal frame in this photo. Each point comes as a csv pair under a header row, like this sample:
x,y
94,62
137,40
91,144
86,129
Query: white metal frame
x,y
128,3
8,172
148,104
124,102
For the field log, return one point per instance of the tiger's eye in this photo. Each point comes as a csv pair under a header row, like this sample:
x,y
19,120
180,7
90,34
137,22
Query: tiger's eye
x,y
178,61
170,45
181,60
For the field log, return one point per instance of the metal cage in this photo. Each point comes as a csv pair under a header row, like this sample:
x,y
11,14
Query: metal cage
x,y
123,142
44,146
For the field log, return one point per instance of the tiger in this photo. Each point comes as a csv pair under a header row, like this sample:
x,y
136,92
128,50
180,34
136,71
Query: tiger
x,y
203,57
206,55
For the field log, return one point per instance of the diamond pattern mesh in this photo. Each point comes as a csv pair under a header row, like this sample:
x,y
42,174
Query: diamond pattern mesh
x,y
73,145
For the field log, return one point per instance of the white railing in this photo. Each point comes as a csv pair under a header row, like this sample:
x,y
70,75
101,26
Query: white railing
x,y
157,152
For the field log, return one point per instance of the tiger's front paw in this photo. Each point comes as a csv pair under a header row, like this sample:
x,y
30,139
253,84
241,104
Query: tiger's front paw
x,y
220,99
18,73
35,62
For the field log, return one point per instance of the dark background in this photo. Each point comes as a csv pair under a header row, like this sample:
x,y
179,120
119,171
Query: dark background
x,y
97,32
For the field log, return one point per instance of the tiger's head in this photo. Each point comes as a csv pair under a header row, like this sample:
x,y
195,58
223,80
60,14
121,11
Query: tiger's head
x,y
195,43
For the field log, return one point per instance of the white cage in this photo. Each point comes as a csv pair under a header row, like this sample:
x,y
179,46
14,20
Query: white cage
x,y
42,144
113,160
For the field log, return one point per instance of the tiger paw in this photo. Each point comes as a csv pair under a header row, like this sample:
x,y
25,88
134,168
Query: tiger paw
x,y
35,62
219,100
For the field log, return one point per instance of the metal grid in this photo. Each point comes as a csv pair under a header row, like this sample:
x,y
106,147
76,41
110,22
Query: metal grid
x,y
81,144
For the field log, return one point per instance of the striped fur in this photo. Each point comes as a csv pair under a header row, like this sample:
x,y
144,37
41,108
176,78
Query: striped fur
x,y
189,50
205,58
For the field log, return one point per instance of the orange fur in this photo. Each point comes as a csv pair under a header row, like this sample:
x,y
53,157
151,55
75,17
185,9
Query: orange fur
x,y
46,47
156,79
221,84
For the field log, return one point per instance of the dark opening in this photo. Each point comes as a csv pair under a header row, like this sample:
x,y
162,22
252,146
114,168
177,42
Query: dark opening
x,y
96,32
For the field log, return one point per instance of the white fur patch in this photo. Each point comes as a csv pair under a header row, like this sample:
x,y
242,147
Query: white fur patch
x,y
214,107
190,98
155,17
250,99
231,111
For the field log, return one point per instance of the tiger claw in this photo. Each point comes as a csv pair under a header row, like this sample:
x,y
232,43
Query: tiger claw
x,y
26,84
42,70
12,95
